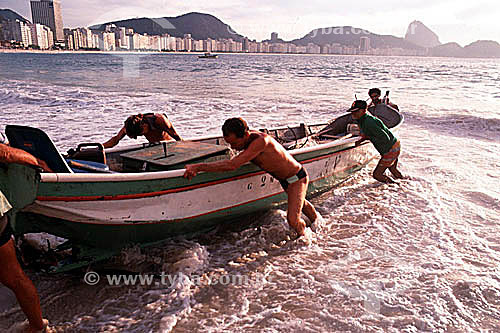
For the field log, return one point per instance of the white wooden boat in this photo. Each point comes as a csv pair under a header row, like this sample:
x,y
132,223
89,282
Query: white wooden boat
x,y
140,197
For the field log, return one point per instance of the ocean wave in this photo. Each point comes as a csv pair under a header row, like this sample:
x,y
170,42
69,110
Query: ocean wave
x,y
16,93
458,124
482,199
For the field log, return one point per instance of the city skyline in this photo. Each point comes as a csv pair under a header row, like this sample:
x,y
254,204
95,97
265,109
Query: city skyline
x,y
452,21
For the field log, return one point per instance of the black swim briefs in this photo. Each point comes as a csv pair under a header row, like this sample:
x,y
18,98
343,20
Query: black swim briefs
x,y
301,174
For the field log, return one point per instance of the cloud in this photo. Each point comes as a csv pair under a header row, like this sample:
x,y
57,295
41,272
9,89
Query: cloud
x,y
95,12
478,11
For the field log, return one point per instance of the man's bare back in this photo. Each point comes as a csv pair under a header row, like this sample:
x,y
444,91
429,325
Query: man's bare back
x,y
256,147
274,158
155,127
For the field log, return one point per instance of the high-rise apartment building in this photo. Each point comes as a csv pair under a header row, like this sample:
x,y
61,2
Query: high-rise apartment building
x,y
48,13
188,42
364,44
41,36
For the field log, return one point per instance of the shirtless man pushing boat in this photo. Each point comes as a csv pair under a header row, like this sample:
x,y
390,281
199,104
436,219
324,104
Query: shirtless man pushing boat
x,y
262,150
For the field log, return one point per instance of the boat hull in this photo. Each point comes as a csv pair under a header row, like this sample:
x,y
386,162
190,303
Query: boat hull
x,y
114,210
117,214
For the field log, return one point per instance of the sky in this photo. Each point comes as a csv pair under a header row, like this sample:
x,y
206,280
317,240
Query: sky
x,y
452,20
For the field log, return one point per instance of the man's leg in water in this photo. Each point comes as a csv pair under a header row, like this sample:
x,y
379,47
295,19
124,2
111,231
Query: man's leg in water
x,y
296,196
310,211
394,170
13,277
378,174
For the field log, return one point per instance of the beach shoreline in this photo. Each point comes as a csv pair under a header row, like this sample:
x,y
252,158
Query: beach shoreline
x,y
91,52
4,50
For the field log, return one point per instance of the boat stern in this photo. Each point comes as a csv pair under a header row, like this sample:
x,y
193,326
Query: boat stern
x,y
19,184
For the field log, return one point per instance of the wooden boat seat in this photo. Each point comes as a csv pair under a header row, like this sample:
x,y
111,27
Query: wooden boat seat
x,y
177,154
37,143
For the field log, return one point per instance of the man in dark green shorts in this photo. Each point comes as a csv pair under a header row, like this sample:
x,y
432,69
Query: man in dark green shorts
x,y
385,142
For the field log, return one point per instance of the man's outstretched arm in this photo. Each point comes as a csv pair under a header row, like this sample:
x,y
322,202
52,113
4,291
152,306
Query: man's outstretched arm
x,y
255,148
114,140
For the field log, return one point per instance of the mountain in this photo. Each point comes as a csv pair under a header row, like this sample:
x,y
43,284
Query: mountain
x,y
418,34
200,26
203,26
483,49
350,36
448,50
7,14
479,49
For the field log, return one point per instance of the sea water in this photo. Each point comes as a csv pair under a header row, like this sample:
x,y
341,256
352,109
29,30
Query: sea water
x,y
419,256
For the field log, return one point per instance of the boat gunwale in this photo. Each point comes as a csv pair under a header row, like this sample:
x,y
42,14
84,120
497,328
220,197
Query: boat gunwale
x,y
155,175
134,176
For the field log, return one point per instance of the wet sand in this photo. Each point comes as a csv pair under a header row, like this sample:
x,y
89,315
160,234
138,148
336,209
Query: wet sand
x,y
7,299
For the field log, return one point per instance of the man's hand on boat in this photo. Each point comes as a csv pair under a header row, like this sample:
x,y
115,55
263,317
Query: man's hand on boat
x,y
191,171
360,141
43,165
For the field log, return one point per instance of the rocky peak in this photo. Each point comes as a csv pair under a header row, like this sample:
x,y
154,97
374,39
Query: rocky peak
x,y
418,34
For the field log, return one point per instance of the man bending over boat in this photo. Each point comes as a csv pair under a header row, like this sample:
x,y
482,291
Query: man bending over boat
x,y
155,127
11,273
262,150
375,94
385,142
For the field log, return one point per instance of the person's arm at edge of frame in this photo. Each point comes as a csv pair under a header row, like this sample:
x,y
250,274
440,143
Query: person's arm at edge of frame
x,y
114,140
18,156
255,148
165,124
